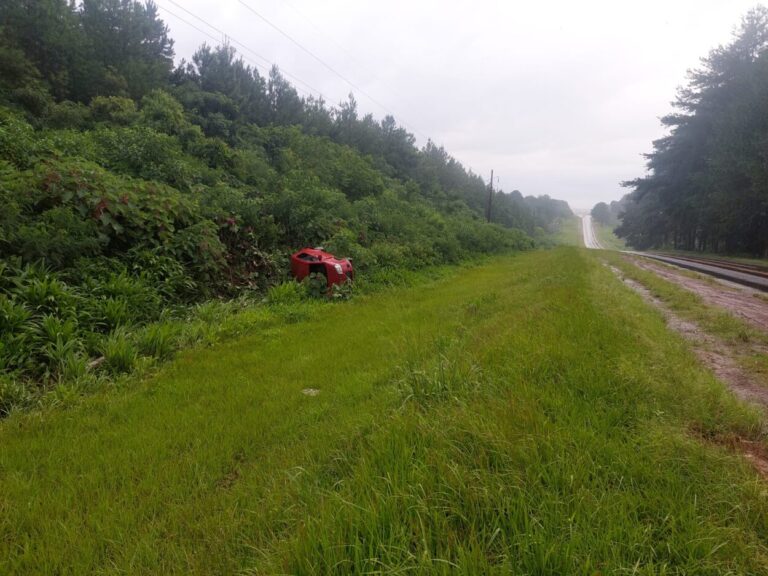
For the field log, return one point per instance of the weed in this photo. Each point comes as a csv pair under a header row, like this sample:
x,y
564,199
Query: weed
x,y
72,366
114,312
343,291
287,293
13,315
449,378
13,395
316,285
158,340
119,352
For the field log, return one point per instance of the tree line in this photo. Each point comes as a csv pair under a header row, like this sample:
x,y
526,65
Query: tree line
x,y
707,183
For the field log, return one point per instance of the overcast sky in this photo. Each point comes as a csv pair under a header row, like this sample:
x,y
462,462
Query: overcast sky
x,y
560,98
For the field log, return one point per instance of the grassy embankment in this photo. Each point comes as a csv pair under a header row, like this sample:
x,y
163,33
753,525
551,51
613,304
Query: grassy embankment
x,y
712,319
569,233
607,238
529,415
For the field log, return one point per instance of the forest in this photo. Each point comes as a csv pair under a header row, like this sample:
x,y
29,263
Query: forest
x,y
134,189
706,188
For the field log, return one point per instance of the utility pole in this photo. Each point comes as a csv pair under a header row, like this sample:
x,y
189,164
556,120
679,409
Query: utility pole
x,y
490,200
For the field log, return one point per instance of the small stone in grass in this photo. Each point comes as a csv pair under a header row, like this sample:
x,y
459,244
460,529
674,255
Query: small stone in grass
x,y
310,391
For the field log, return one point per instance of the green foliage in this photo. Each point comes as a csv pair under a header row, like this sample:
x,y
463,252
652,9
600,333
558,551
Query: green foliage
x,y
342,291
162,112
118,299
344,241
169,277
13,395
67,114
286,293
43,293
18,145
114,110
316,285
144,153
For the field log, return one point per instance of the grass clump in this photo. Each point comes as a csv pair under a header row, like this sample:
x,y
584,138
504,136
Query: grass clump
x,y
448,377
286,293
158,340
119,352
13,395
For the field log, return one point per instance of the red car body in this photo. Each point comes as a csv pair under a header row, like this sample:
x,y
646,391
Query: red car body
x,y
309,260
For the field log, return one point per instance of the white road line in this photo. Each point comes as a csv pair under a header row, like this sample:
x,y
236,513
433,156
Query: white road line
x,y
588,232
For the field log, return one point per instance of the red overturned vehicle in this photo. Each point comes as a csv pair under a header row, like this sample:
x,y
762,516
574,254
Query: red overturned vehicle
x,y
316,260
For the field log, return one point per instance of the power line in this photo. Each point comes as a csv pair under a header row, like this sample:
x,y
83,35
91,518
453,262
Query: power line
x,y
208,34
247,48
225,37
317,29
188,23
321,61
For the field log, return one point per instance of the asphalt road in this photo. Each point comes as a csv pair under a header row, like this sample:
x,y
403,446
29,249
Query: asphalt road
x,y
588,231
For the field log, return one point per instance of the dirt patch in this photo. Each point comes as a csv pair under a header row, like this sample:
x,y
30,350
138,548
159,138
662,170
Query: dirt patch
x,y
754,452
228,480
716,354
722,359
233,475
743,302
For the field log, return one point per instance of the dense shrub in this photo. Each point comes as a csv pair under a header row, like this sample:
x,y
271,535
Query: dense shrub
x,y
67,114
18,141
114,110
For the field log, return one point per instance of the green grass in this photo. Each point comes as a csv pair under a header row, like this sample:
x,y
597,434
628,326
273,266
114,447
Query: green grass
x,y
529,416
607,238
569,233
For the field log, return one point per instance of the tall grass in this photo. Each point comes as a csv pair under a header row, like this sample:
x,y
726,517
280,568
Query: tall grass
x,y
158,340
119,351
530,417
